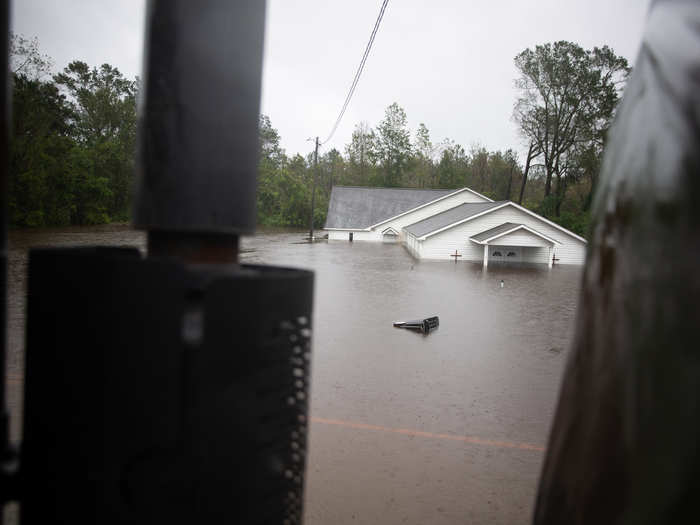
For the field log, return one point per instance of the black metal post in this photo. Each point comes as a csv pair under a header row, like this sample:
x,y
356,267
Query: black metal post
x,y
198,149
174,389
4,134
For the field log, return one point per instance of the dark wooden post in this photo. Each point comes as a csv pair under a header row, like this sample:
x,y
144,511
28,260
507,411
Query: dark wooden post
x,y
624,444
4,132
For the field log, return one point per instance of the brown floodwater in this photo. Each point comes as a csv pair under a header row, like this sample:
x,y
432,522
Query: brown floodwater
x,y
445,428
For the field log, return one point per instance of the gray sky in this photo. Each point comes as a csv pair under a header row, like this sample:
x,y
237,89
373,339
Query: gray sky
x,y
448,63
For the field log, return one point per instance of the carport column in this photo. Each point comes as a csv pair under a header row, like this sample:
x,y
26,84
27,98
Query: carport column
x,y
486,255
550,259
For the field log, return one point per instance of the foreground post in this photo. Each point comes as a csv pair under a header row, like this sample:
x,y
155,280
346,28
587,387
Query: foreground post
x,y
173,389
5,452
624,445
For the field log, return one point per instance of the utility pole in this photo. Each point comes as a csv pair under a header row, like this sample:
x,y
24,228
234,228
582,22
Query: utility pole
x,y
313,194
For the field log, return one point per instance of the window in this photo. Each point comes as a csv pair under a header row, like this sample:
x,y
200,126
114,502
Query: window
x,y
512,254
497,254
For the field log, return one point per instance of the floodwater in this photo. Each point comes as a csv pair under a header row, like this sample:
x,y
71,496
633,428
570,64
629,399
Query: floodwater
x,y
405,428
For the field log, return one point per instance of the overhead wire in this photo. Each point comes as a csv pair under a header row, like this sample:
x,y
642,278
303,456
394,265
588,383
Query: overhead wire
x,y
358,73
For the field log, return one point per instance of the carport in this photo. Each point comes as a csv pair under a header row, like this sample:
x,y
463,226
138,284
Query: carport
x,y
513,242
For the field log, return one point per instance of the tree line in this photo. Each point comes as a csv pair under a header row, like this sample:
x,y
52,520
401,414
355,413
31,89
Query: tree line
x,y
73,139
74,135
566,102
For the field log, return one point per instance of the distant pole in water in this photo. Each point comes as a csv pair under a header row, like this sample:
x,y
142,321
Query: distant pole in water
x,y
313,195
455,255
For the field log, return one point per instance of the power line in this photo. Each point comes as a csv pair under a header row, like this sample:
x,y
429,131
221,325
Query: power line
x,y
359,70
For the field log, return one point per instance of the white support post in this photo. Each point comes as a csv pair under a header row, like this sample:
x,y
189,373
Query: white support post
x,y
486,255
550,260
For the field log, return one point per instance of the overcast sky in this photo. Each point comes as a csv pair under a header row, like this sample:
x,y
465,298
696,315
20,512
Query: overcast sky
x,y
448,63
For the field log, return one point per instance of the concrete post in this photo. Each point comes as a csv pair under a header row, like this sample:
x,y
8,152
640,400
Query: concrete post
x,y
550,259
486,255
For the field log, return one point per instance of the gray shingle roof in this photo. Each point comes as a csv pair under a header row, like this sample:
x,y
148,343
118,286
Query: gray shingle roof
x,y
358,208
458,213
487,234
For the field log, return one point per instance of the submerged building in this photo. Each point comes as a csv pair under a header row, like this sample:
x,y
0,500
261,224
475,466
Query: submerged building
x,y
444,224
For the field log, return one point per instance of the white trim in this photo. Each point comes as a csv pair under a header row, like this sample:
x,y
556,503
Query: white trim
x,y
518,227
390,231
490,210
429,203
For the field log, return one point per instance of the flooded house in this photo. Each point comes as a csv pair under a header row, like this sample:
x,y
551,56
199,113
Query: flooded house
x,y
450,224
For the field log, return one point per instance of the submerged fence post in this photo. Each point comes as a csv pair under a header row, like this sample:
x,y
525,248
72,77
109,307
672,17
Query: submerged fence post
x,y
174,388
624,444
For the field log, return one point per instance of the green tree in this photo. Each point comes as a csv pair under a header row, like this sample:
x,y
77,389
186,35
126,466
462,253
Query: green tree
x,y
502,169
567,99
271,153
104,123
272,162
393,145
452,168
478,177
332,170
297,195
424,151
26,60
360,155
41,183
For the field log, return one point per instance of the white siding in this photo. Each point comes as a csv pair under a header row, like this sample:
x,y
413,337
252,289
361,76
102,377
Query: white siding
x,y
536,255
412,245
334,235
375,236
441,245
357,235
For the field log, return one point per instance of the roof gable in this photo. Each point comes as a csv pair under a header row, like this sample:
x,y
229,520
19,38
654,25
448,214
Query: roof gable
x,y
447,220
505,229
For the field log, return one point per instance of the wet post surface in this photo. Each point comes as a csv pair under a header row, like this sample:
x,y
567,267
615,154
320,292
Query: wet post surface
x,y
624,445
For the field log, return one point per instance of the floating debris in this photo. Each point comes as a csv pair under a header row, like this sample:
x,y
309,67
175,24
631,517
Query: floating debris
x,y
426,325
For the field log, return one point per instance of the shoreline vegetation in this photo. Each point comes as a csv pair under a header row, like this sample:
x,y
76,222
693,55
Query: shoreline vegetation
x,y
74,137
